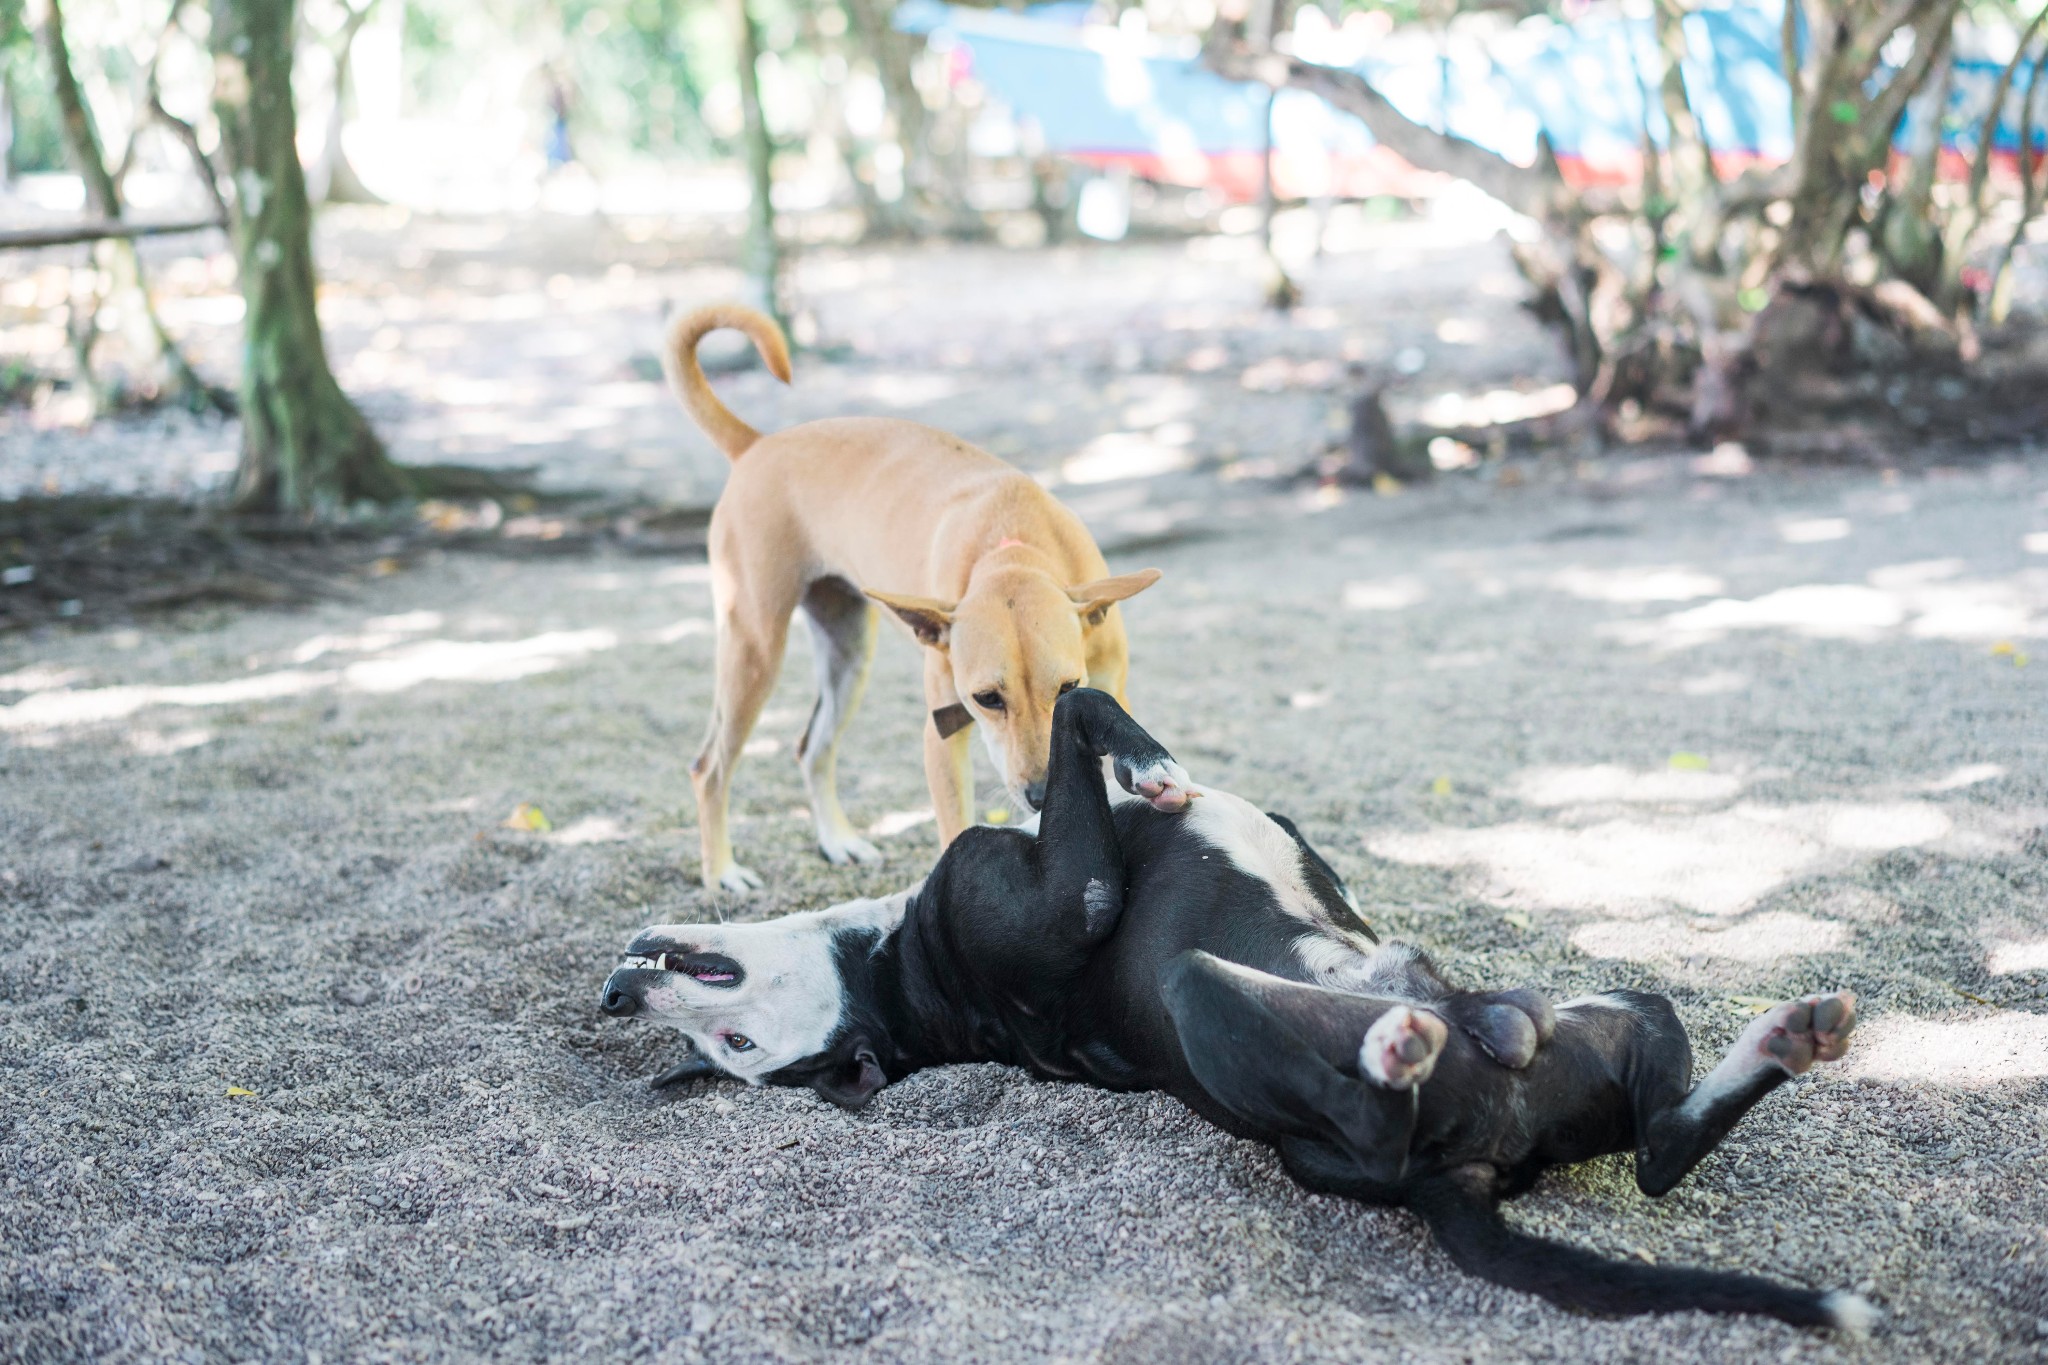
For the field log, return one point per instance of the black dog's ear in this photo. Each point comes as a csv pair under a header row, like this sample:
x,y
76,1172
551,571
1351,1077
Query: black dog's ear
x,y
851,1081
694,1066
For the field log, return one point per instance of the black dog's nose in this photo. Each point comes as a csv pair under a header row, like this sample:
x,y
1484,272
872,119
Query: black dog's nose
x,y
1034,795
619,1003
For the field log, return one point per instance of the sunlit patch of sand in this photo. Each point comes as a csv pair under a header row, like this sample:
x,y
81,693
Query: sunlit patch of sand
x,y
475,661
2007,1046
1768,937
1715,863
1609,782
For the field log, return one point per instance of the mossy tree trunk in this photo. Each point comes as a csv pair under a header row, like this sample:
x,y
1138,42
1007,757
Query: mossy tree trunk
x,y
305,448
763,254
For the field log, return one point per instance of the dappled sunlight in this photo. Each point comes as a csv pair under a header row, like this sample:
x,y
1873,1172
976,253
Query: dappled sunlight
x,y
681,630
1814,530
1127,455
909,390
1672,583
1384,594
591,829
160,743
898,821
403,667
1714,863
1899,1049
2010,959
40,678
1496,407
1969,775
1607,782
1767,937
1923,600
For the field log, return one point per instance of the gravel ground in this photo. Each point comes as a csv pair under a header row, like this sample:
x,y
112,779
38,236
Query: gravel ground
x,y
302,1059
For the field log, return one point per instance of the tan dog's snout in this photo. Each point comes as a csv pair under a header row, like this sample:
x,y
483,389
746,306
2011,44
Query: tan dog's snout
x,y
1014,643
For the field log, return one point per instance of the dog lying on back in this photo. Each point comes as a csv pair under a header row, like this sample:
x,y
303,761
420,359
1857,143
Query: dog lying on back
x,y
1189,943
1002,585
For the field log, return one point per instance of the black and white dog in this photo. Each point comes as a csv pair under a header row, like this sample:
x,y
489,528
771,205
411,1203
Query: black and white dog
x,y
1188,942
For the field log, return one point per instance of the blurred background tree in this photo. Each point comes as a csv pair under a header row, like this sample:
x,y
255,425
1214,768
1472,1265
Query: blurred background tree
x,y
1691,295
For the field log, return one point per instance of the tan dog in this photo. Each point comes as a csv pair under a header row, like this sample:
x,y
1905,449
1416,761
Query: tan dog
x,y
1001,584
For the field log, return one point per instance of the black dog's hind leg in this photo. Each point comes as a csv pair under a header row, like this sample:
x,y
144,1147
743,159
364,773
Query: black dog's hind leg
x,y
1676,1127
1462,1209
1285,1058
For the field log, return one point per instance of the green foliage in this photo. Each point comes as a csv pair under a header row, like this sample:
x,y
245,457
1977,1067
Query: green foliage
x,y
38,143
634,70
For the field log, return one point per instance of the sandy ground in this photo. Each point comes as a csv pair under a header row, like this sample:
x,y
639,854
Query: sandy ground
x,y
1728,739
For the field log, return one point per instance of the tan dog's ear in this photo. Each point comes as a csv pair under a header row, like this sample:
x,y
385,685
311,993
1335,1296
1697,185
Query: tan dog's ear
x,y
1095,599
928,620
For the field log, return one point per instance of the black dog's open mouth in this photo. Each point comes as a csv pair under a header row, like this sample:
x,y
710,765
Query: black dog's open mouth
x,y
709,969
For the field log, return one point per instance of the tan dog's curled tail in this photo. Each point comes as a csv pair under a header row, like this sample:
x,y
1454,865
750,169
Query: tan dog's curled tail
x,y
686,376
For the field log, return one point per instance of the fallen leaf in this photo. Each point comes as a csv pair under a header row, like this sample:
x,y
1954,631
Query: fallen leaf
x,y
235,1092
1689,762
2005,647
1643,1255
1750,1004
996,816
528,816
1518,919
1440,787
1968,995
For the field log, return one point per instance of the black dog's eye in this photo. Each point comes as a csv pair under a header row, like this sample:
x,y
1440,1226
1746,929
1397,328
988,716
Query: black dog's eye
x,y
990,700
1067,687
739,1042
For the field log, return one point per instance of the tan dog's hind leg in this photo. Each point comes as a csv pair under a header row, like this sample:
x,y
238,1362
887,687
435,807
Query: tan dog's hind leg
x,y
949,762
750,644
842,646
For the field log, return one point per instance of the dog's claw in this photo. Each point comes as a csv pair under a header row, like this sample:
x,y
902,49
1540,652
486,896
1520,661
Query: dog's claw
x,y
740,880
849,850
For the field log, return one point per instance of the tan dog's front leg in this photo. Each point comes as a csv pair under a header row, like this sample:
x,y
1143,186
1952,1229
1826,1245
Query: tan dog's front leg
x,y
949,772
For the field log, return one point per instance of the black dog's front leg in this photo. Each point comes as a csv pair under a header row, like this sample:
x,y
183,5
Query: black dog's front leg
x,y
1081,868
1028,911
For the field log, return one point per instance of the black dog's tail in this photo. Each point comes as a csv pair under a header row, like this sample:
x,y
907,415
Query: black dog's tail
x,y
1461,1212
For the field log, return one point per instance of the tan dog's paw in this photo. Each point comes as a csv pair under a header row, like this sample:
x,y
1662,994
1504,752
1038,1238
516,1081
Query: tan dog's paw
x,y
848,850
736,879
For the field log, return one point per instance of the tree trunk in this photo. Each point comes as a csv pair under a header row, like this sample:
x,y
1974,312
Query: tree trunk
x,y
891,53
305,447
339,183
164,367
763,255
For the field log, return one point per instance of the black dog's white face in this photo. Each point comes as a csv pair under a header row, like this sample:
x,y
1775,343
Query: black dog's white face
x,y
757,999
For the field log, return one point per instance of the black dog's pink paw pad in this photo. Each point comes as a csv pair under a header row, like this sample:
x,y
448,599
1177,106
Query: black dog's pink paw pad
x,y
1801,1032
1401,1048
1164,783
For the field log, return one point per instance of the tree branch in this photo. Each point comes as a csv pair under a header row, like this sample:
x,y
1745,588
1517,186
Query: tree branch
x,y
1537,191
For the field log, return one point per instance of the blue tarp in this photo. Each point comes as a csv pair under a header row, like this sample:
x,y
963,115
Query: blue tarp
x,y
1590,86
